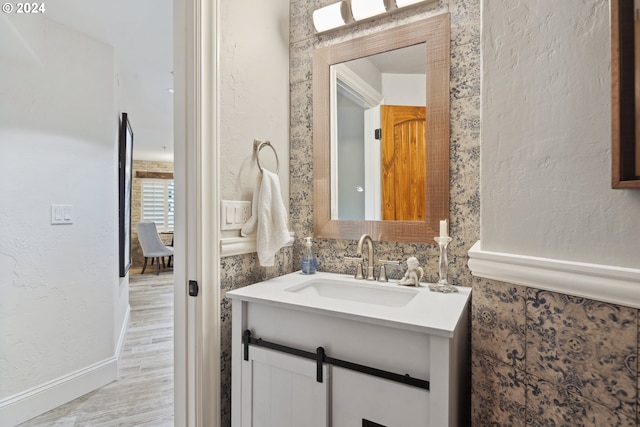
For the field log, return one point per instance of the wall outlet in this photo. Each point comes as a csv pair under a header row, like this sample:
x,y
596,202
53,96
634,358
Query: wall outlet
x,y
234,214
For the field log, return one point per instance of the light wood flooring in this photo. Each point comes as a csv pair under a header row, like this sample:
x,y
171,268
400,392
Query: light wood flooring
x,y
143,393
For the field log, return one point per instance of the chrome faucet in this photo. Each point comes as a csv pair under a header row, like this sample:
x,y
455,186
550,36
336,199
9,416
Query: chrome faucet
x,y
371,261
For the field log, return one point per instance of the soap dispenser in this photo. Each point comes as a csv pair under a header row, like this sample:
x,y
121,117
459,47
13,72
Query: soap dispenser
x,y
309,262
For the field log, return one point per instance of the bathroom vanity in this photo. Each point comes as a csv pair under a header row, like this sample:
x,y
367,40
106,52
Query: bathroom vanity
x,y
329,350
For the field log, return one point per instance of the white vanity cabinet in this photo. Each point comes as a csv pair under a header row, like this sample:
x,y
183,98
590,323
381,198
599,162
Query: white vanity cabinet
x,y
405,335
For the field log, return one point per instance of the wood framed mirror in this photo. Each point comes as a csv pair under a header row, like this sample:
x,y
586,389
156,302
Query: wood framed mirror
x,y
625,94
434,33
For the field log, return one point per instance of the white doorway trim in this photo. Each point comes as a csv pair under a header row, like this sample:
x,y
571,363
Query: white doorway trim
x,y
197,343
344,80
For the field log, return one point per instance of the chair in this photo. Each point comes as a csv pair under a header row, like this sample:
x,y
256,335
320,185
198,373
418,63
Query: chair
x,y
152,246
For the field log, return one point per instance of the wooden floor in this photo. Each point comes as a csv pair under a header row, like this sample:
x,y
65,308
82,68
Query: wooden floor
x,y
143,394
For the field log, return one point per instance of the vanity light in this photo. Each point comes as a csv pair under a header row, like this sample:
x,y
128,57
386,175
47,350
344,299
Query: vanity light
x,y
330,17
347,13
403,3
363,9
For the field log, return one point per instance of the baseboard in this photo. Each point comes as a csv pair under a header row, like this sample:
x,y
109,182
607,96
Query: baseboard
x,y
123,334
43,398
618,285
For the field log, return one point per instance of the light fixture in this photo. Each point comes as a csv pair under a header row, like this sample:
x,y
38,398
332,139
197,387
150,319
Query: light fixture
x,y
347,13
330,17
363,9
403,3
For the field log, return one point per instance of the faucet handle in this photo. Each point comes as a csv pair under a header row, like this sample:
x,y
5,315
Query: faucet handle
x,y
359,270
382,277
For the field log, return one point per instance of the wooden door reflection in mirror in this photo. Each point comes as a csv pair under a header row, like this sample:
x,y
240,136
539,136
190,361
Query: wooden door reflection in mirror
x,y
404,171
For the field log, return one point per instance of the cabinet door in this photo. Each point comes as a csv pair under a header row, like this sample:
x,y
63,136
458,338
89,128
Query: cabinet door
x,y
364,400
280,390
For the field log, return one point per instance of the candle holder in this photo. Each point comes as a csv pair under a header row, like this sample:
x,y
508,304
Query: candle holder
x,y
443,267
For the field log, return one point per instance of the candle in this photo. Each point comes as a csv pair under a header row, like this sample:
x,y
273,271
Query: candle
x,y
443,228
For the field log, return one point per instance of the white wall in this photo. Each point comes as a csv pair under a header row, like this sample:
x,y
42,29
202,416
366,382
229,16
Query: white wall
x,y
404,89
61,301
254,93
367,71
546,135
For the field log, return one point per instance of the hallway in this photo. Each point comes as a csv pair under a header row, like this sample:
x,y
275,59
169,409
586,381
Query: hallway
x,y
143,394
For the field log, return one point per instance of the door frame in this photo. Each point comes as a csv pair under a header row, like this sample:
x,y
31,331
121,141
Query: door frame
x,y
363,94
196,160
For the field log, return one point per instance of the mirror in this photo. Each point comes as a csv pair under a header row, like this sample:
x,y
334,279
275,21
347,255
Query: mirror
x,y
340,96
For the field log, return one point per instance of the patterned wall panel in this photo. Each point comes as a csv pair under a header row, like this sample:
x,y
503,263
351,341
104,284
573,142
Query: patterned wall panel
x,y
542,358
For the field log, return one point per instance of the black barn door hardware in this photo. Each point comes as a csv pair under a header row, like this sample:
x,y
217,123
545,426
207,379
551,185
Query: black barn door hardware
x,y
321,358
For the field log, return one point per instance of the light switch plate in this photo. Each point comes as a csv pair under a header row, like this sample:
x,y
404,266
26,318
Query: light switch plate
x,y
234,214
61,214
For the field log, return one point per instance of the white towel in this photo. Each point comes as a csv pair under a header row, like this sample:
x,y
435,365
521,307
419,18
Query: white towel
x,y
268,220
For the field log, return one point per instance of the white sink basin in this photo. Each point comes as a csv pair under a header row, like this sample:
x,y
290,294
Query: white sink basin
x,y
342,296
367,293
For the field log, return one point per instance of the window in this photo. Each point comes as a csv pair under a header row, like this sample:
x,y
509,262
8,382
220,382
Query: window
x,y
157,202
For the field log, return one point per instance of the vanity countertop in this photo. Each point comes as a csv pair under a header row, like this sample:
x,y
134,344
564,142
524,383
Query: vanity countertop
x,y
427,312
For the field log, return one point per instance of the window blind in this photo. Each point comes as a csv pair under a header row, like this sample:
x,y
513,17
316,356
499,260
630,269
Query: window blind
x,y
158,202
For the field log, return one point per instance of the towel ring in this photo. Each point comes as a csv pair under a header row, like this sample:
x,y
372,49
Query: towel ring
x,y
259,145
